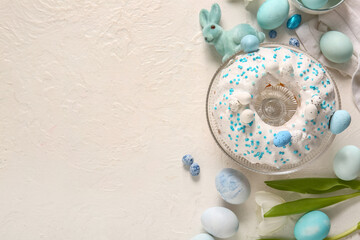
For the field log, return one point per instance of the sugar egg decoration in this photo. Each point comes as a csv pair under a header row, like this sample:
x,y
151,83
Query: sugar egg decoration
x,y
314,4
294,21
244,98
233,186
340,120
250,43
203,236
313,225
273,13
220,222
282,138
336,47
247,116
347,163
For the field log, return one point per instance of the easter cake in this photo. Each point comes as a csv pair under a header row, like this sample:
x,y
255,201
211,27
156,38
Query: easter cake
x,y
272,106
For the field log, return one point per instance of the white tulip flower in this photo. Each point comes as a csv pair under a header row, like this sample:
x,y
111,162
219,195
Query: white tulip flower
x,y
266,201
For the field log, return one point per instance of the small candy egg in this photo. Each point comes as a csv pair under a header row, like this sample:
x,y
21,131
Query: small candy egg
x,y
294,42
347,163
272,34
220,222
294,21
340,120
194,169
234,105
244,98
282,138
297,136
313,225
336,47
316,100
187,159
314,4
203,236
273,13
232,185
247,116
250,43
311,112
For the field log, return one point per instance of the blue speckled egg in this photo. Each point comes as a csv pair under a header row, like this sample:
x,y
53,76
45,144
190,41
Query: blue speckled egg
x,y
232,185
203,236
339,121
314,225
272,34
347,163
250,43
294,42
314,4
220,222
194,169
188,159
273,13
294,21
282,138
336,47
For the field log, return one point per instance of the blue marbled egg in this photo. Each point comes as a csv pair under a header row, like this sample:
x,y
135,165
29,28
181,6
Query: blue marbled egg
x,y
188,159
294,21
347,163
340,121
273,13
250,43
294,42
232,185
314,225
314,4
220,222
282,138
336,47
194,169
203,236
272,34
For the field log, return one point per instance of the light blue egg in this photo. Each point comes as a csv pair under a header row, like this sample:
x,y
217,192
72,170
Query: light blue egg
x,y
294,21
203,236
232,185
188,159
347,163
220,222
340,121
194,169
273,13
282,138
314,4
336,47
314,225
250,43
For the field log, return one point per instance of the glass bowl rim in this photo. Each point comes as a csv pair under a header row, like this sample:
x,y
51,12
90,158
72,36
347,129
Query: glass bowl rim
x,y
321,9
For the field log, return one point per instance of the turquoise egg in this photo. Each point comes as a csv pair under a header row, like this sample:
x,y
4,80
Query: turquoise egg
x,y
347,163
294,21
273,13
314,4
336,47
203,236
314,225
250,43
340,120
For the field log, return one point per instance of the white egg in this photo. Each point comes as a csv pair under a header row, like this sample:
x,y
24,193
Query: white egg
x,y
297,136
234,105
220,222
247,116
244,98
311,112
316,100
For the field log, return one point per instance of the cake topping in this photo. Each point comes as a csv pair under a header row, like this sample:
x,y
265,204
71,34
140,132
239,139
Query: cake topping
x,y
234,105
282,138
339,121
244,97
311,112
247,116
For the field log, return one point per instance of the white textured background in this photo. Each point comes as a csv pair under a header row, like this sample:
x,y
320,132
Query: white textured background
x,y
99,100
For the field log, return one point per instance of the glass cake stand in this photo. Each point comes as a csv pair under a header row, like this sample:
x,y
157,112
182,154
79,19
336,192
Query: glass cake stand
x,y
257,167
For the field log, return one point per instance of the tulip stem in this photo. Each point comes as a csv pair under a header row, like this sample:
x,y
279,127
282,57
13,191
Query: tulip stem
x,y
344,234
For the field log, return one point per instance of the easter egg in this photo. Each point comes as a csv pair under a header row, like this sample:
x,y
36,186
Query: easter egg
x,y
220,222
232,185
312,225
282,138
187,159
340,120
273,13
294,21
203,236
314,4
234,105
297,136
336,47
247,116
250,43
194,169
244,97
311,112
347,163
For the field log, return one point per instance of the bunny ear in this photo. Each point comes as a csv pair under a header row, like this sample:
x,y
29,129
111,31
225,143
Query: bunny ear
x,y
204,17
215,13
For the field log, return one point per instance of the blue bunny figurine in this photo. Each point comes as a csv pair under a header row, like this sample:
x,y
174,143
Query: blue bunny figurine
x,y
227,43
